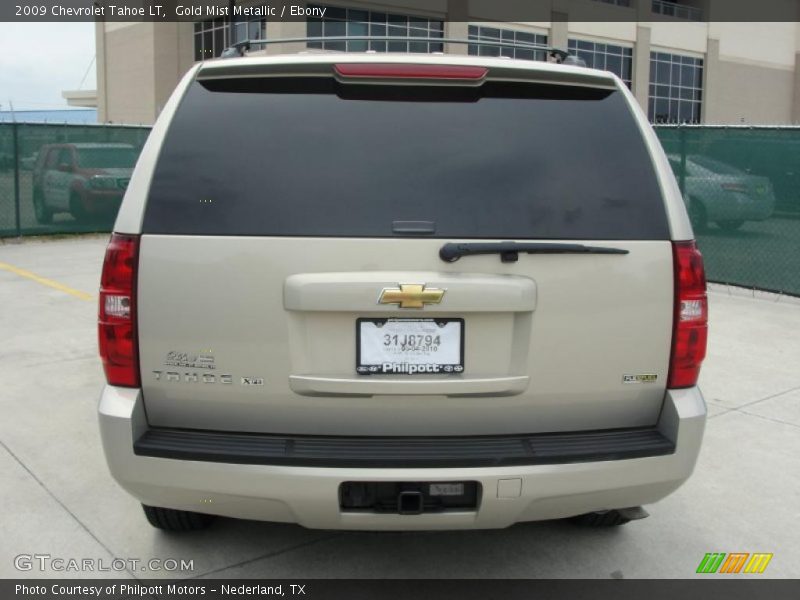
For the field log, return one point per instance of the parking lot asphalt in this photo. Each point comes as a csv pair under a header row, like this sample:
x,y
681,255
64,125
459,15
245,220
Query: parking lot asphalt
x,y
59,500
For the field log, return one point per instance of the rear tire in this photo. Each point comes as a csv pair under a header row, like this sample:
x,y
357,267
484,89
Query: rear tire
x,y
698,215
606,518
170,519
730,225
76,208
43,214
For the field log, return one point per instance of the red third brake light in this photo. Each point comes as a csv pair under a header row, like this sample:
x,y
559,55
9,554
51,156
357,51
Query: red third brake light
x,y
409,71
690,328
116,320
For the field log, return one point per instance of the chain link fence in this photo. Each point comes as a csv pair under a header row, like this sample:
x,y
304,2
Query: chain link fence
x,y
64,178
741,186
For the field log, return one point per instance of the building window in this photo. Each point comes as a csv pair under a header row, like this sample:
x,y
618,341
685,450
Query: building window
x,y
213,36
352,22
677,10
480,33
607,57
625,3
676,88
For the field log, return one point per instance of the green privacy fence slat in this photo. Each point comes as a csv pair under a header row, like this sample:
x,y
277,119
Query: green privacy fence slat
x,y
47,165
741,186
742,189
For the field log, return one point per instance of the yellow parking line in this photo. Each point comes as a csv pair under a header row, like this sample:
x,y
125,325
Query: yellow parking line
x,y
48,282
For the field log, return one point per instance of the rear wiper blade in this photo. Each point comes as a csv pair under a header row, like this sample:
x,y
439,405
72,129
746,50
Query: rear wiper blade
x,y
509,251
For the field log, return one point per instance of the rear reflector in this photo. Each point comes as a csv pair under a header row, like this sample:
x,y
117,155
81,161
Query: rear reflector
x,y
409,71
116,320
690,328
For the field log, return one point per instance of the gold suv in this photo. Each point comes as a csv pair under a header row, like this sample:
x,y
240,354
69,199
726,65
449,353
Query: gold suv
x,y
363,291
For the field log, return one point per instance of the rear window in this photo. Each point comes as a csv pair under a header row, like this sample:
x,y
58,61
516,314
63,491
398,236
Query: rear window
x,y
313,157
714,165
107,158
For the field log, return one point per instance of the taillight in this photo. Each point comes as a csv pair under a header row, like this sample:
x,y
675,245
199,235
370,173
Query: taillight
x,y
690,329
409,71
116,320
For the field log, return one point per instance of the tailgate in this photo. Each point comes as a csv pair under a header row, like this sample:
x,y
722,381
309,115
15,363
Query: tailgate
x,y
290,278
249,334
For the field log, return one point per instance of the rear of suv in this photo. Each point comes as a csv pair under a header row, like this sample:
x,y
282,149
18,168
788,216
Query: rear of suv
x,y
401,292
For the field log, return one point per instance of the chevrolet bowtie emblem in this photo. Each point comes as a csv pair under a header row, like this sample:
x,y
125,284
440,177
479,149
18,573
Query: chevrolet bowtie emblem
x,y
411,295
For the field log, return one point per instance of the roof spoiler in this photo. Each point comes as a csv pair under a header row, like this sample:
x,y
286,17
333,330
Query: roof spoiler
x,y
558,55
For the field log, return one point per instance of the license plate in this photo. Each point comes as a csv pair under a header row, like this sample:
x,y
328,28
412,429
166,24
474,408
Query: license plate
x,y
409,346
446,489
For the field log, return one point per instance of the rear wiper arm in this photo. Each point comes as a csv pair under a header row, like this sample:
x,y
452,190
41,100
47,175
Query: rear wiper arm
x,y
509,251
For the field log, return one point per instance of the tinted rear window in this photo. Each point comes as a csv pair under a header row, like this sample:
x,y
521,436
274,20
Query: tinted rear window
x,y
312,157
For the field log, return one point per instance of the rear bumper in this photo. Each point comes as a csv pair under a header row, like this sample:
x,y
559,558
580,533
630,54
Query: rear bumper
x,y
309,495
101,202
739,207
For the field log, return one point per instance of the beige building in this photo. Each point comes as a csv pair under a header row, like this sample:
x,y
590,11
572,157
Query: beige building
x,y
681,65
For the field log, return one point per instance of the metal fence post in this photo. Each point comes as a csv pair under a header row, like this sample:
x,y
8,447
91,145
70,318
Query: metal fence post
x,y
682,175
17,222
